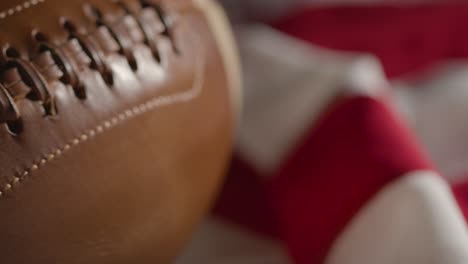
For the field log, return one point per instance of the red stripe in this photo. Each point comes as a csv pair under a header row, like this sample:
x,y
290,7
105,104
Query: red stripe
x,y
460,191
244,200
406,39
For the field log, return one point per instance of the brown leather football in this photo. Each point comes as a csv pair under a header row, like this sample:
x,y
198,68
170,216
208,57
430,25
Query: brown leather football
x,y
117,124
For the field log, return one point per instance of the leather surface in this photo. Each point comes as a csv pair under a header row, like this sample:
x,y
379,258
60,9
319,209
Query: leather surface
x,y
116,156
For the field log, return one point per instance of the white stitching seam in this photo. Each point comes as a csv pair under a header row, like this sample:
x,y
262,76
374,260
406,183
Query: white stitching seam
x,y
19,8
156,102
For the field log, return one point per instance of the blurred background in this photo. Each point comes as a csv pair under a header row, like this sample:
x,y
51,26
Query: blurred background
x,y
416,49
301,57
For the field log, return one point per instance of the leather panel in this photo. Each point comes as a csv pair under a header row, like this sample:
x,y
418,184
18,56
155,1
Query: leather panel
x,y
124,173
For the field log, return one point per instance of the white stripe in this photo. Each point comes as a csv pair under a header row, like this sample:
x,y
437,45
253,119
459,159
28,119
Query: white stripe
x,y
224,243
435,106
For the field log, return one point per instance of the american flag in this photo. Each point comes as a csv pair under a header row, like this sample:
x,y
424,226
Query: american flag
x,y
352,146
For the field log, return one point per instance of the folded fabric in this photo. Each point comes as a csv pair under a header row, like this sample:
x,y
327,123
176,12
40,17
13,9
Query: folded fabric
x,y
405,38
434,105
327,168
361,161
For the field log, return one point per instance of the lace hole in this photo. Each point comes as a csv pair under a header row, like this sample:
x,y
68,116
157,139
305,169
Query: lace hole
x,y
157,55
80,92
108,78
132,62
40,37
93,12
12,53
15,127
69,26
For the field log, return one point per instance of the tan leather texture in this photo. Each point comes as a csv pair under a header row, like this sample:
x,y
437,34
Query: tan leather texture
x,y
116,129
